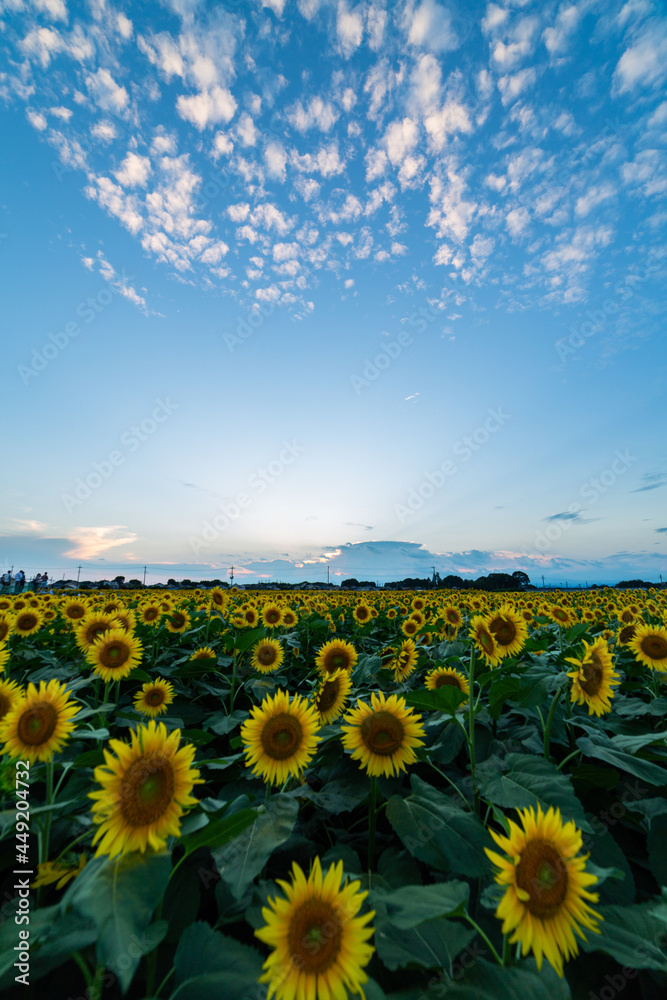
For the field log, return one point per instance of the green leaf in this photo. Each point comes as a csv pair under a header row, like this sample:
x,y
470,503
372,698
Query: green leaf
x,y
119,896
413,904
657,855
438,831
488,981
54,935
632,935
202,951
600,747
444,699
91,758
531,781
432,945
221,723
239,862
219,831
196,736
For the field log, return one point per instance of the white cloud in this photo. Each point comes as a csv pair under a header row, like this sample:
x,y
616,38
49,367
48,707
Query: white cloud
x,y
376,22
285,251
104,90
89,543
112,197
319,114
517,221
124,26
482,247
307,187
558,39
376,163
349,28
246,130
450,118
451,213
207,108
399,139
595,195
275,159
214,253
646,170
42,44
308,8
222,145
430,25
494,18
276,6
63,113
520,45
238,213
163,143
645,62
270,217
134,171
511,87
326,161
55,9
103,130
36,119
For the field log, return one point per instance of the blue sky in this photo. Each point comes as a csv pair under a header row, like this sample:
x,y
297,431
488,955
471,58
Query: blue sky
x,y
302,283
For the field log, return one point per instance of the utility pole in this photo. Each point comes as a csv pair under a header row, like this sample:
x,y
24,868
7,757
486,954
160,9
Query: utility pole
x,y
78,575
327,576
232,576
543,581
433,576
144,576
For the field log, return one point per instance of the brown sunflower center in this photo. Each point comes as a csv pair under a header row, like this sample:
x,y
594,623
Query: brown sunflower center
x,y
5,705
337,659
267,655
314,936
410,627
155,696
504,630
593,676
4,630
178,619
382,733
485,639
453,617
272,616
543,874
560,615
362,614
150,614
26,621
627,616
94,631
147,789
627,633
654,646
444,680
114,655
328,696
281,736
77,611
37,723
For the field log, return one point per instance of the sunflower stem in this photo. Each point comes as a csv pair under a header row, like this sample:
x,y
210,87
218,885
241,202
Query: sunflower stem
x,y
151,959
164,982
471,729
566,759
454,786
484,938
233,684
371,826
549,722
44,845
507,951
85,971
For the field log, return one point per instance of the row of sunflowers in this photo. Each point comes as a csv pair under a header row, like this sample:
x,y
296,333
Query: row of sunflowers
x,y
402,795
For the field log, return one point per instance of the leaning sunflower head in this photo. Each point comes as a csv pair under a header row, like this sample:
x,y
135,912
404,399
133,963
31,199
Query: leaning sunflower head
x,y
145,788
547,898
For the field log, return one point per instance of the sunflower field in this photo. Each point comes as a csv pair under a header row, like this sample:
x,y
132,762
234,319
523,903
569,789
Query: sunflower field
x,y
318,795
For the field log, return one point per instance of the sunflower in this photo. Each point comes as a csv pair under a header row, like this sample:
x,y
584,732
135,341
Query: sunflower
x,y
362,614
452,616
280,737
204,653
405,661
417,616
218,599
332,695
410,627
39,722
145,790
383,735
125,619
4,657
6,625
272,615
560,615
509,630
545,900
53,871
267,655
418,604
289,618
28,621
391,614
150,614
178,621
593,680
154,697
115,654
91,628
447,677
74,610
10,693
249,617
649,645
320,945
484,639
626,634
112,606
336,655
